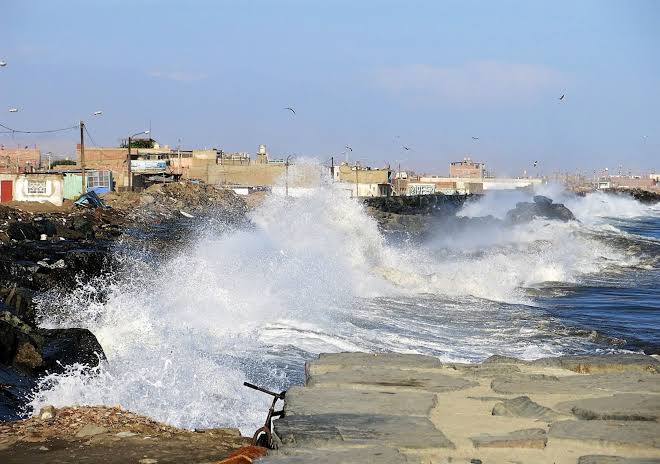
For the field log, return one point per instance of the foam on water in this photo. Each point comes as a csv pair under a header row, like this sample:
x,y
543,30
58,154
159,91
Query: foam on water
x,y
312,274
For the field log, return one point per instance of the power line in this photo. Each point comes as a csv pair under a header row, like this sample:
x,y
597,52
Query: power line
x,y
11,130
90,137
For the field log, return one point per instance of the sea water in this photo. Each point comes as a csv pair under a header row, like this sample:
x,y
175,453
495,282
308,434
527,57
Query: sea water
x,y
315,274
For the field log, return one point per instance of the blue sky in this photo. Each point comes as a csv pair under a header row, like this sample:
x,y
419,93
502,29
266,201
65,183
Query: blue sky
x,y
371,75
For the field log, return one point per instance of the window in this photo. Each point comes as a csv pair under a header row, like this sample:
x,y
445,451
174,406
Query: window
x,y
36,187
98,179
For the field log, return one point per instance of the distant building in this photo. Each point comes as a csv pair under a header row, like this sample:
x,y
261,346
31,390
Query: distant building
x,y
467,168
19,160
363,181
629,182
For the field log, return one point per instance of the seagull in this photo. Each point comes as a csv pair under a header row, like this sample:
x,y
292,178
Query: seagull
x,y
405,148
562,97
3,64
349,148
97,113
475,138
13,110
536,163
290,109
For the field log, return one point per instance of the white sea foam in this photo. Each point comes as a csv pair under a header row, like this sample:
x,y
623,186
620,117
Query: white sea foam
x,y
313,274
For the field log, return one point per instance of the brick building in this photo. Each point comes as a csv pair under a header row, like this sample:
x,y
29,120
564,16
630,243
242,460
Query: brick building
x,y
467,168
19,159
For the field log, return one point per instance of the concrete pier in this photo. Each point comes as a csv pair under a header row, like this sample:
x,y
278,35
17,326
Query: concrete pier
x,y
395,408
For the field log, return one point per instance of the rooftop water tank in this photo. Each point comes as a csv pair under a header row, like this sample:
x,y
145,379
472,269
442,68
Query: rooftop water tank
x,y
262,150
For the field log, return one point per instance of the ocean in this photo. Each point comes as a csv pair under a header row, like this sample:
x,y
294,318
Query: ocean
x,y
315,274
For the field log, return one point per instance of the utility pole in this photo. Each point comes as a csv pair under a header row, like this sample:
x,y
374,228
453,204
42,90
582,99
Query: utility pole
x,y
357,185
178,149
332,168
82,156
286,176
128,163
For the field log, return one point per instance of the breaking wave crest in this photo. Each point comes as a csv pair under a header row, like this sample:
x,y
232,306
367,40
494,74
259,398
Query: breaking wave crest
x,y
312,274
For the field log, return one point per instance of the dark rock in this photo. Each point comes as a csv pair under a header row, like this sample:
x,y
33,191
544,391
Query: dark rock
x,y
63,347
541,200
542,207
23,231
18,301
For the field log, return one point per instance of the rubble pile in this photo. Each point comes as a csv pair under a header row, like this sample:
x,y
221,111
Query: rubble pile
x,y
175,200
110,435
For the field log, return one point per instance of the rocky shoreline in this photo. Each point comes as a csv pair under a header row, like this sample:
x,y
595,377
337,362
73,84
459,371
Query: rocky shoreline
x,y
46,251
396,408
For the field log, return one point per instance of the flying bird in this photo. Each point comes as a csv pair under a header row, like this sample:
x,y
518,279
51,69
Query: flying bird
x,y
405,148
562,97
536,163
475,138
290,109
349,148
13,110
97,113
3,64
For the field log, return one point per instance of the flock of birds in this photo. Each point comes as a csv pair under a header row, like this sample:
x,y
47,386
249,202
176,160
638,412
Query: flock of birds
x,y
293,113
407,148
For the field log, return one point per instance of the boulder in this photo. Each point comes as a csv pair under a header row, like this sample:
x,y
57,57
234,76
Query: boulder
x,y
63,347
542,207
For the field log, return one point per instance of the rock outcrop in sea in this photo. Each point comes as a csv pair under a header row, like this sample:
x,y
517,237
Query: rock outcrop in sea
x,y
541,207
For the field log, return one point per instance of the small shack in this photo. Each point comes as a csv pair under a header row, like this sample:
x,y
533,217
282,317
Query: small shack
x,y
40,187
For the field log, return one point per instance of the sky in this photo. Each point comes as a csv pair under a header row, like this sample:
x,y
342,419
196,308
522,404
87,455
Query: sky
x,y
373,75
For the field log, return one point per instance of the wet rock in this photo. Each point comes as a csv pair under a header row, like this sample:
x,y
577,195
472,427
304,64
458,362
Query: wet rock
x,y
63,347
28,356
522,406
622,407
527,438
542,207
18,301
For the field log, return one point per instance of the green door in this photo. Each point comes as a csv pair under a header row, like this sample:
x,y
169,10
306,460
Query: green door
x,y
72,186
